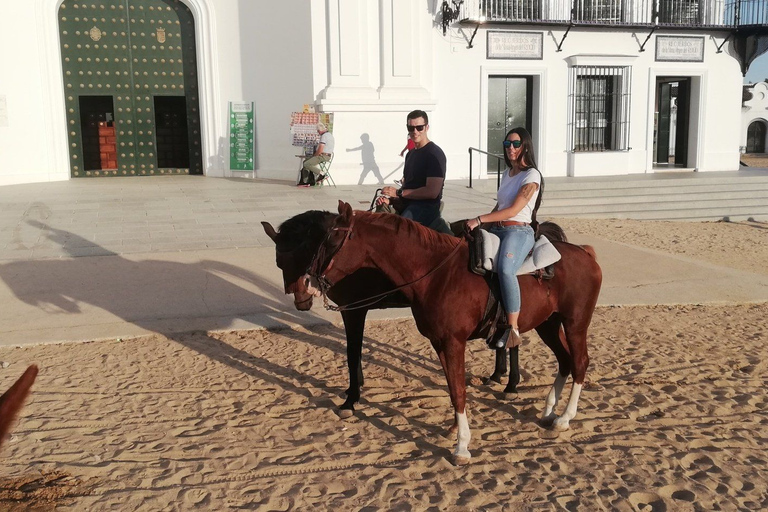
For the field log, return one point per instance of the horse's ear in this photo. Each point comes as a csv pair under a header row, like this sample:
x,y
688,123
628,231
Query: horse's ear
x,y
345,210
270,231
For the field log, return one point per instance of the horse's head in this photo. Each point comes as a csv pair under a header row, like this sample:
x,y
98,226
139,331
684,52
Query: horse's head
x,y
334,258
295,245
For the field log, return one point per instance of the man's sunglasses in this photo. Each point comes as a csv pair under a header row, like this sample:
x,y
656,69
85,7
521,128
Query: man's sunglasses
x,y
417,127
514,143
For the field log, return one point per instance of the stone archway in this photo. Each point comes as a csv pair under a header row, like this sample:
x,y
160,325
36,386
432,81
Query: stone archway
x,y
54,103
130,79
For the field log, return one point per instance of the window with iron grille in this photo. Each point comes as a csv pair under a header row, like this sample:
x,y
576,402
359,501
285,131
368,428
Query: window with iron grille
x,y
602,11
599,108
680,12
512,9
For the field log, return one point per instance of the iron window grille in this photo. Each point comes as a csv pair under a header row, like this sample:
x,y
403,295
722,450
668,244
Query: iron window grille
x,y
599,98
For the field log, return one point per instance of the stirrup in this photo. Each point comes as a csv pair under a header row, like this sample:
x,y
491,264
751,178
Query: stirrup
x,y
502,342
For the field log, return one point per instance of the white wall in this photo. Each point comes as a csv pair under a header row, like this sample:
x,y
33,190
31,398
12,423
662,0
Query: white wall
x,y
25,144
265,56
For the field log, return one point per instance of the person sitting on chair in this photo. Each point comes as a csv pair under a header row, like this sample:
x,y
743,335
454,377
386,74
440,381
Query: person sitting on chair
x,y
423,176
322,153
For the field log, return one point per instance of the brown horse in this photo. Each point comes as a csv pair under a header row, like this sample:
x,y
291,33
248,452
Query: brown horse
x,y
448,302
296,244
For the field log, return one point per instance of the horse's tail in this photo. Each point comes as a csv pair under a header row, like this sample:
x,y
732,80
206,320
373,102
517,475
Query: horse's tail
x,y
552,231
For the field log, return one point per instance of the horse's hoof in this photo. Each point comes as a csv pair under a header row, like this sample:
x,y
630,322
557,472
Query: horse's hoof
x,y
346,413
493,378
560,424
547,421
510,390
458,460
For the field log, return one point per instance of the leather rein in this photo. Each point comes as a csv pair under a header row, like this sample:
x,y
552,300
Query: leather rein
x,y
326,285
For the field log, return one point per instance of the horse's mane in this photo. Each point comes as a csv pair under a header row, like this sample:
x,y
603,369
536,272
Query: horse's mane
x,y
309,227
552,231
407,229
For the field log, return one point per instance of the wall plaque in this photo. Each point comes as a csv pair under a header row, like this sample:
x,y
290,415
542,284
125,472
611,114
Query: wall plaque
x,y
241,136
680,48
515,45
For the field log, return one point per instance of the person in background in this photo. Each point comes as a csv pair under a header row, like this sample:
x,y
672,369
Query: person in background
x,y
513,220
409,145
419,196
323,153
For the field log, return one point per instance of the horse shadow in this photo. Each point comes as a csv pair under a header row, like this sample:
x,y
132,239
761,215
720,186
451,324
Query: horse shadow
x,y
368,159
130,288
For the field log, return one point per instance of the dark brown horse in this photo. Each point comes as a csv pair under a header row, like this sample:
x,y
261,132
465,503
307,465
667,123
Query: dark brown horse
x,y
296,244
448,302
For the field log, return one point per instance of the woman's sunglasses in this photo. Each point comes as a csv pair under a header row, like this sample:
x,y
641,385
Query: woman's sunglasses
x,y
417,127
513,143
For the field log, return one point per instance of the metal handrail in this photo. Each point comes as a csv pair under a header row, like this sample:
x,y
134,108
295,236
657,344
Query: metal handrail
x,y
498,158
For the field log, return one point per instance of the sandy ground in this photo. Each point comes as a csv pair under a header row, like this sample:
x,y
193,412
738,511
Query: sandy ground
x,y
673,416
755,160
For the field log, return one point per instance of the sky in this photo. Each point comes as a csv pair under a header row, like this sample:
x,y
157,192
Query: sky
x,y
758,70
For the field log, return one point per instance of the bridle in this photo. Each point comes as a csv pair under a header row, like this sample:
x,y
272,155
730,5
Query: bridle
x,y
314,269
324,284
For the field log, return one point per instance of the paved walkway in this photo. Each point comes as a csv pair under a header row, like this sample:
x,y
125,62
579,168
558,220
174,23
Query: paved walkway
x,y
93,259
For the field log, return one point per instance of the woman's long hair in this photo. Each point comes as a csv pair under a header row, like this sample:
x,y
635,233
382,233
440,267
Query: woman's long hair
x,y
525,160
526,155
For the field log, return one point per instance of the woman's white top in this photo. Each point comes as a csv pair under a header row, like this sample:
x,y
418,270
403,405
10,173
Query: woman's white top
x,y
510,187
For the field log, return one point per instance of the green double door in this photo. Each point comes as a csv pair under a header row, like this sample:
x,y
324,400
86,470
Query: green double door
x,y
130,84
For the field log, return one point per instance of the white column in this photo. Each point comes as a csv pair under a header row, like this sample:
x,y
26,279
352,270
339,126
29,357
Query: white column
x,y
352,30
406,52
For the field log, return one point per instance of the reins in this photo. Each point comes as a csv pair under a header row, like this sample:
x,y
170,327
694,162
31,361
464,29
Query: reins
x,y
325,285
359,304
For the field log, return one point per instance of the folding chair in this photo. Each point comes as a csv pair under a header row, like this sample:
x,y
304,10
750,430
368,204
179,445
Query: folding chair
x,y
325,168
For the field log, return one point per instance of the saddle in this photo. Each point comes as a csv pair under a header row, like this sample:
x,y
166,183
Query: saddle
x,y
484,254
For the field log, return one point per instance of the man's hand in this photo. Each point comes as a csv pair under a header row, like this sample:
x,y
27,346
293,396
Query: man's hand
x,y
473,223
382,200
389,191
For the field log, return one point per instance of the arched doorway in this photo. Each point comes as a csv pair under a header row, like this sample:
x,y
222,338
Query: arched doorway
x,y
131,91
756,137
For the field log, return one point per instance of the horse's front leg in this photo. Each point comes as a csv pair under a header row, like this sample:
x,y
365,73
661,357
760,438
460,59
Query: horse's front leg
x,y
354,325
499,367
451,356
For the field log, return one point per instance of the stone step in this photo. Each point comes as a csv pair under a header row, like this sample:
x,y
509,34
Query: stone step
x,y
661,196
682,196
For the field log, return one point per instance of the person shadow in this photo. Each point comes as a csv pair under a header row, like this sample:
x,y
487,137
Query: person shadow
x,y
368,159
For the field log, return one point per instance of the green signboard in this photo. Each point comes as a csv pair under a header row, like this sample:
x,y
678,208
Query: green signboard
x,y
241,136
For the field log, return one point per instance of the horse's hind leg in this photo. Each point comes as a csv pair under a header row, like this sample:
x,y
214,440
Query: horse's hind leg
x,y
576,337
354,325
554,337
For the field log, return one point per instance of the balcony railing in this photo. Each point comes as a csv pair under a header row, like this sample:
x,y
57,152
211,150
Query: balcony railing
x,y
665,13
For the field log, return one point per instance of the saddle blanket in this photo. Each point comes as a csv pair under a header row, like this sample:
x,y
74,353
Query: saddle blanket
x,y
543,254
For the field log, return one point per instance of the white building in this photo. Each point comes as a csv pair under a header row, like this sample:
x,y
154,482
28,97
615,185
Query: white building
x,y
593,80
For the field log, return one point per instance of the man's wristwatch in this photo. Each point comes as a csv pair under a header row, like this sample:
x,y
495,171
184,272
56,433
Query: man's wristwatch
x,y
399,193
